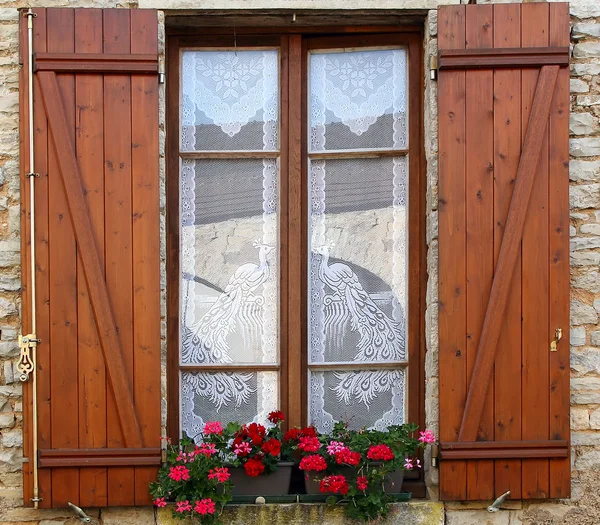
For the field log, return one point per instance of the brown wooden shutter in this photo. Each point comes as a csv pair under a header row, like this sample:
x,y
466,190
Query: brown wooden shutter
x,y
504,250
97,260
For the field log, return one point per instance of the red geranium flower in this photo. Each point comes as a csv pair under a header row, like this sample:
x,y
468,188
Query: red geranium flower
x,y
335,484
205,506
254,467
362,482
273,447
380,453
292,434
179,473
314,462
309,431
276,416
309,444
348,457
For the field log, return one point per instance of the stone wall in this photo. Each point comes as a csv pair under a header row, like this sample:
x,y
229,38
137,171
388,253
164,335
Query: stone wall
x,y
584,506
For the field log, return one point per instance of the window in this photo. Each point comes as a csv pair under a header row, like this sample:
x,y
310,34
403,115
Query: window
x,y
295,229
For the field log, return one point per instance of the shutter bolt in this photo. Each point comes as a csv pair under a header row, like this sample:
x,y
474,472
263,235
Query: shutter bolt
x,y
433,67
495,507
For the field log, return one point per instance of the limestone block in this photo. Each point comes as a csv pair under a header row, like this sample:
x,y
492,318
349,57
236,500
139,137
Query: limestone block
x,y
572,231
595,419
584,170
587,50
582,313
9,349
584,243
584,196
582,123
585,8
585,438
585,147
477,517
578,336
595,338
585,390
587,459
12,438
588,100
587,281
579,86
580,418
586,29
585,69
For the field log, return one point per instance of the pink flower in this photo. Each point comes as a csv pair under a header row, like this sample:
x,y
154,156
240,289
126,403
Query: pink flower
x,y
408,465
220,473
179,473
183,506
335,446
160,502
418,463
242,449
213,427
309,444
208,449
427,437
205,506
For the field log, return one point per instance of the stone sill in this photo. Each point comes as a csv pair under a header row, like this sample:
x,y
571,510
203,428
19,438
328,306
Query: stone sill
x,y
409,513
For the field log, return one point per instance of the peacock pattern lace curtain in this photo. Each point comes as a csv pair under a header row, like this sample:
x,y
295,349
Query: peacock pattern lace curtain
x,y
229,235
358,213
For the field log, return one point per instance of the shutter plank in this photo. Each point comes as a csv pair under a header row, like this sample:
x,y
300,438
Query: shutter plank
x,y
535,274
119,257
146,278
90,145
560,482
63,271
507,144
479,226
452,250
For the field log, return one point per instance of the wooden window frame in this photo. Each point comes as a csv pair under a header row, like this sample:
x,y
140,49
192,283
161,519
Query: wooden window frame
x,y
294,44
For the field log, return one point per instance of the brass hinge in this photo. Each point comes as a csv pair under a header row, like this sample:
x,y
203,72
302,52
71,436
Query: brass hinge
x,y
25,363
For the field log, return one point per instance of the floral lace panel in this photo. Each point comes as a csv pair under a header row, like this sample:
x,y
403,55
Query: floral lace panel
x,y
363,398
358,261
226,397
358,100
230,100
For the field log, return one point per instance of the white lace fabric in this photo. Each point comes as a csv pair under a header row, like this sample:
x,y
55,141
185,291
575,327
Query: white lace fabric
x,y
229,249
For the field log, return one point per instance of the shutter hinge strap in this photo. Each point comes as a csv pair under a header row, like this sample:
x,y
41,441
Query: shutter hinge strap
x,y
25,364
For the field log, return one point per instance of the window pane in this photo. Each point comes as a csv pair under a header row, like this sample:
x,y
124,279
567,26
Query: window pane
x,y
365,398
229,261
230,100
358,235
226,397
358,100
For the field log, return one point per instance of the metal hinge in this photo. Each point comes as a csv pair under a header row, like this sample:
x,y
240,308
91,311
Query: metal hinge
x,y
435,454
161,78
25,363
433,67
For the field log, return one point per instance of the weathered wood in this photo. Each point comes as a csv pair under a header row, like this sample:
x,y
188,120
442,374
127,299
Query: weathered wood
x,y
508,253
105,324
95,63
90,457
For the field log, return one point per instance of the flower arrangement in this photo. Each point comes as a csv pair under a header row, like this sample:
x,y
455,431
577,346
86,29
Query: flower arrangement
x,y
354,466
351,466
195,478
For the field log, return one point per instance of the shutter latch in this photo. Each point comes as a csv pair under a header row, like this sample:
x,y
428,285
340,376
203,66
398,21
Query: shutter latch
x,y
25,364
557,338
495,507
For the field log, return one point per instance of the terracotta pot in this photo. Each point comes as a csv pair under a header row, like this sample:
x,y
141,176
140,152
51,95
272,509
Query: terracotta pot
x,y
393,482
274,484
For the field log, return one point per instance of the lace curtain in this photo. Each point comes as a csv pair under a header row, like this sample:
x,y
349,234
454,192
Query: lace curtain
x,y
358,238
229,235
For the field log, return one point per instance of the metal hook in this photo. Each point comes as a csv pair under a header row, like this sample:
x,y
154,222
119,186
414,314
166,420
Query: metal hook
x,y
495,507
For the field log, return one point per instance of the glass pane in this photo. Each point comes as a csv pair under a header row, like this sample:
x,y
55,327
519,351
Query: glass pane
x,y
358,234
230,100
358,100
226,397
229,261
362,398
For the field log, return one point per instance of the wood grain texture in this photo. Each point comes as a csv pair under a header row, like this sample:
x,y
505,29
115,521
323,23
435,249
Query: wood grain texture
x,y
503,58
82,62
507,152
74,232
452,250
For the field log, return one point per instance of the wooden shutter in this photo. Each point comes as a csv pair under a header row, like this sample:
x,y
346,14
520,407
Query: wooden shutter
x,y
504,250
97,257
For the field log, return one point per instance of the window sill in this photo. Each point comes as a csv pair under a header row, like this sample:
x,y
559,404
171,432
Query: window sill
x,y
408,513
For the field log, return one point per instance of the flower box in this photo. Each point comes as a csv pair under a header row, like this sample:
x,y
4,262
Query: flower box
x,y
274,484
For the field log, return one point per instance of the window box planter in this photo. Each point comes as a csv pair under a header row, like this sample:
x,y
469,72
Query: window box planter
x,y
274,484
393,482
